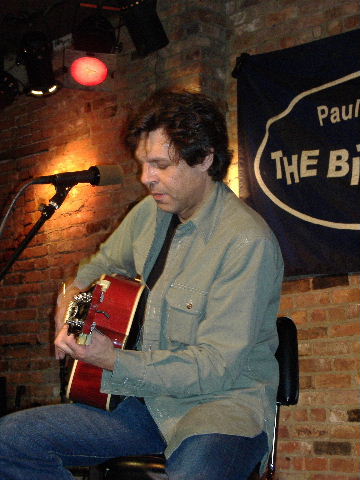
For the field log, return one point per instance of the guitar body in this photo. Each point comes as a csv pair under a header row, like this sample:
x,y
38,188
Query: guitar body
x,y
109,306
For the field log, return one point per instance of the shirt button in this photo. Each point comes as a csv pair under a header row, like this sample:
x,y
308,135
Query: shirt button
x,y
189,306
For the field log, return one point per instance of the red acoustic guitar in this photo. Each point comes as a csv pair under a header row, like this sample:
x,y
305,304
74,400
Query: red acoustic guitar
x,y
109,306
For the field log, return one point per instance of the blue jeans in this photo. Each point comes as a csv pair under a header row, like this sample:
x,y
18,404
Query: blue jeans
x,y
39,443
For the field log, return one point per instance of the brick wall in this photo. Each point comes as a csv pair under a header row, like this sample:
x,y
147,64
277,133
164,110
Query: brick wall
x,y
76,129
318,438
70,131
73,130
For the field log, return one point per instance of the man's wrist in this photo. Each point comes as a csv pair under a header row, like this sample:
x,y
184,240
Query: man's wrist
x,y
67,292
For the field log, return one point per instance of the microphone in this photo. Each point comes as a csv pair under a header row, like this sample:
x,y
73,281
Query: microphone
x,y
96,175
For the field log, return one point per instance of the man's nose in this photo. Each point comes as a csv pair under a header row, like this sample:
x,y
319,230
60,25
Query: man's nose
x,y
147,174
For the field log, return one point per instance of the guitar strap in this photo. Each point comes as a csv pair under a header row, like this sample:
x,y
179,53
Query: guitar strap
x,y
156,271
134,338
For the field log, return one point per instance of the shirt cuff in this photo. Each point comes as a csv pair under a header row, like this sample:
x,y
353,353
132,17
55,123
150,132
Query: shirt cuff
x,y
128,376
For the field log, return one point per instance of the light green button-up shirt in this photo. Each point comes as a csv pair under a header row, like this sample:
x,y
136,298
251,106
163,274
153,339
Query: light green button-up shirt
x,y
207,363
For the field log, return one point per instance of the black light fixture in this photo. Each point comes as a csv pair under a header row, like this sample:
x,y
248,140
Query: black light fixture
x,y
36,54
144,25
9,89
91,62
94,34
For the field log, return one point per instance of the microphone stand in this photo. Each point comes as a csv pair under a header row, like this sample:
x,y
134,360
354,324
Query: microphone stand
x,y
46,212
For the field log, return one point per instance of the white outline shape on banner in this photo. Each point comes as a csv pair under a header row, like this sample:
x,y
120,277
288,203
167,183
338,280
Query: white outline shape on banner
x,y
279,203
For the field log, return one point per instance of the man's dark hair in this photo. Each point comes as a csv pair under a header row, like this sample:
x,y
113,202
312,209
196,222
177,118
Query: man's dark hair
x,y
192,121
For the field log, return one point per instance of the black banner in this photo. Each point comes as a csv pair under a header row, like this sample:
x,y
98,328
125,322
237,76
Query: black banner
x,y
299,132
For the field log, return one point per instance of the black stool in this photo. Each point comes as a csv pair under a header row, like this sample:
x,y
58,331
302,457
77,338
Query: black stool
x,y
153,466
288,390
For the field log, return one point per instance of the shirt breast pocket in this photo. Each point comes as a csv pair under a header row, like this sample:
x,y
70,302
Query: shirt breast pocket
x,y
185,309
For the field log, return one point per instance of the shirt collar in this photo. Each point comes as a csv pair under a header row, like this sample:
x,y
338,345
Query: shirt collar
x,y
206,219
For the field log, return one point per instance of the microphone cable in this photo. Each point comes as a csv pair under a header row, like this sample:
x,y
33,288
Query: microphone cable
x,y
12,206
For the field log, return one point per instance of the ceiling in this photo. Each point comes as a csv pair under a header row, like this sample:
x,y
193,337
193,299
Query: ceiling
x,y
62,23
55,18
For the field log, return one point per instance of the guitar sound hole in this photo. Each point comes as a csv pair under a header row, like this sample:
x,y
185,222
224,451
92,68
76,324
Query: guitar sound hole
x,y
75,327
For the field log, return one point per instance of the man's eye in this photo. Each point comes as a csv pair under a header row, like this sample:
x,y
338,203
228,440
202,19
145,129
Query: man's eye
x,y
160,165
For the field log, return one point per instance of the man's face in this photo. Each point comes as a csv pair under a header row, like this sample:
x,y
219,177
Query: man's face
x,y
175,186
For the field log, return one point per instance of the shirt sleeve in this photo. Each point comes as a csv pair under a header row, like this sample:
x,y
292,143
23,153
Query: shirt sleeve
x,y
239,324
115,255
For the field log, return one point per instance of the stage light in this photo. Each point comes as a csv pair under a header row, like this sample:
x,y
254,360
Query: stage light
x,y
144,25
36,55
93,39
9,89
89,71
75,60
94,34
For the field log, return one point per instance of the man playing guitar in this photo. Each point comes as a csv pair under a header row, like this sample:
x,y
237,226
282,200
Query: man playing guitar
x,y
198,380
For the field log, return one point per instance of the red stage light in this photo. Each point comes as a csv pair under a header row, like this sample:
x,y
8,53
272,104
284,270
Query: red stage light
x,y
89,71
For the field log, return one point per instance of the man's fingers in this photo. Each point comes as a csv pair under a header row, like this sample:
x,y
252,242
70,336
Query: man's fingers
x,y
67,344
59,354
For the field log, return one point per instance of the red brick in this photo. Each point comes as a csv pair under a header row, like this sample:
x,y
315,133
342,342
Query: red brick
x,y
311,431
330,397
344,330
315,365
297,463
343,465
345,364
345,431
332,348
352,22
286,305
300,317
305,349
301,415
312,333
337,314
337,415
318,316
312,299
331,476
335,27
29,339
318,414
20,327
316,463
345,295
36,276
332,381
306,382
31,252
297,447
353,311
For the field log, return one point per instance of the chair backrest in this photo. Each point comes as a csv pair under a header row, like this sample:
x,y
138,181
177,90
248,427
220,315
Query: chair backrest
x,y
287,357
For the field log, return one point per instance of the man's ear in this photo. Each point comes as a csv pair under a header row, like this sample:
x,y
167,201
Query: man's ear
x,y
207,162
